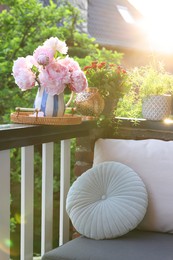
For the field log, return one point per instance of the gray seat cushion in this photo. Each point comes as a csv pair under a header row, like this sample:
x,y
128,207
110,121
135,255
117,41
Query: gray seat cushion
x,y
136,245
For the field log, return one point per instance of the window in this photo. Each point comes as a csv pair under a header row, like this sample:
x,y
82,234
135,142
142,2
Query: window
x,y
125,14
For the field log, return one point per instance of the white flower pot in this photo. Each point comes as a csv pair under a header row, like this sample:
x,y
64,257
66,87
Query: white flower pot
x,y
156,107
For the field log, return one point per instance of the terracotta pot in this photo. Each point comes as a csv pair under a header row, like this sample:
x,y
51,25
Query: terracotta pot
x,y
110,106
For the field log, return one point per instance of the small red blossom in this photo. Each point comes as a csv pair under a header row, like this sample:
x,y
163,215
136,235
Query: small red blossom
x,y
101,65
109,78
86,68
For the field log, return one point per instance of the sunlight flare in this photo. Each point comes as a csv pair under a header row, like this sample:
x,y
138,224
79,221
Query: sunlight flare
x,y
157,23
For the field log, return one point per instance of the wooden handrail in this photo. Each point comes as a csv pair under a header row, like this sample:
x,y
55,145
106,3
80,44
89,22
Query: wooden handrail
x,y
16,135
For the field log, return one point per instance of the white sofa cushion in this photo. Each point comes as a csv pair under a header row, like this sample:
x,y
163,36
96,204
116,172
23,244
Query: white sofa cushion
x,y
153,161
107,201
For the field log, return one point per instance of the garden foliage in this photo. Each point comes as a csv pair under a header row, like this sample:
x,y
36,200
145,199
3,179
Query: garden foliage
x,y
24,26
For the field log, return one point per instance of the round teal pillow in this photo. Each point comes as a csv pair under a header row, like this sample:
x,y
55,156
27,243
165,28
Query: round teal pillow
x,y
107,201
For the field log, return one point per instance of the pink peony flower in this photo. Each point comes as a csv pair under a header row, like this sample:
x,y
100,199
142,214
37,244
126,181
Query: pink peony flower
x,y
23,75
25,80
54,78
19,64
70,63
57,45
31,61
54,74
78,81
43,55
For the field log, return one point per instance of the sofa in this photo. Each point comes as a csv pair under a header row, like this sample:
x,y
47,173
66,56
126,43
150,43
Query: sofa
x,y
123,206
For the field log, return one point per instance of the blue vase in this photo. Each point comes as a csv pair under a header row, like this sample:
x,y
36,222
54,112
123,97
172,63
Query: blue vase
x,y
52,106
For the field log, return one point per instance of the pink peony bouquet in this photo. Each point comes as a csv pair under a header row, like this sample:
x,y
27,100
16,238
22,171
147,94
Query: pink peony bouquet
x,y
45,69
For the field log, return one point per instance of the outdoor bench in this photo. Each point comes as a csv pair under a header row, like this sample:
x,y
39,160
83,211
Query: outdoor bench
x,y
109,230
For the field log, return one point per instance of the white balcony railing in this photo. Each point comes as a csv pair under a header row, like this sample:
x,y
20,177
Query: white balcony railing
x,y
26,137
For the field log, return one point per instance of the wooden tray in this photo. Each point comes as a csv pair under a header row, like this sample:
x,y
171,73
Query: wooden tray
x,y
28,118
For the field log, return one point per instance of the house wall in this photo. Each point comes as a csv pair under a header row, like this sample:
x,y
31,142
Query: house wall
x,y
131,57
2,7
82,5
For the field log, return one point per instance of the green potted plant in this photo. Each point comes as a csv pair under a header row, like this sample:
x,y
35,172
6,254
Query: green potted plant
x,y
154,86
110,80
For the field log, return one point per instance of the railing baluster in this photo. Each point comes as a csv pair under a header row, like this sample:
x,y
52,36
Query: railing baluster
x,y
5,205
47,197
64,187
24,137
27,195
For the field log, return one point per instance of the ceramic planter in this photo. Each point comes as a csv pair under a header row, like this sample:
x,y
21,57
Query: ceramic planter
x,y
156,107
